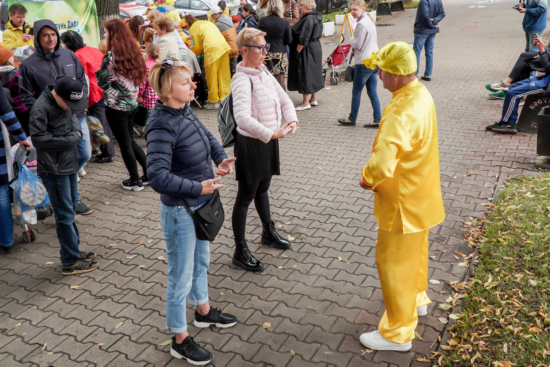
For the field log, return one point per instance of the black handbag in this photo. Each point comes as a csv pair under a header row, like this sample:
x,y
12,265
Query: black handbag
x,y
350,71
141,117
209,218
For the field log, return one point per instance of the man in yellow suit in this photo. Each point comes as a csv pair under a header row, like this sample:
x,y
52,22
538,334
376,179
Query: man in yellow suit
x,y
208,39
17,31
403,171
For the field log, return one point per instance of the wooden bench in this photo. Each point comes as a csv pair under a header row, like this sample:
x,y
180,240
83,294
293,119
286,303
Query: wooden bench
x,y
386,7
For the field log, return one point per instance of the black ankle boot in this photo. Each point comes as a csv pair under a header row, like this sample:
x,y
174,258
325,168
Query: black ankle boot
x,y
271,238
244,259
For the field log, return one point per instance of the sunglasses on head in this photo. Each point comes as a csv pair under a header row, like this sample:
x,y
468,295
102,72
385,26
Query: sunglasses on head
x,y
166,64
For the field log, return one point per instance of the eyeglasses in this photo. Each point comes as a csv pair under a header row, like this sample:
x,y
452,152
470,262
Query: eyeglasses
x,y
260,48
166,64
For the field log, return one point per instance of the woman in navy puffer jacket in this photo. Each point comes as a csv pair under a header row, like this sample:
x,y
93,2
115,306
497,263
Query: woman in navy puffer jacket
x,y
179,154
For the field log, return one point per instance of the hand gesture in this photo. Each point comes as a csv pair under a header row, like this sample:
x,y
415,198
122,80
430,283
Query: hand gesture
x,y
25,143
537,42
293,126
281,133
209,186
521,9
27,37
300,48
224,168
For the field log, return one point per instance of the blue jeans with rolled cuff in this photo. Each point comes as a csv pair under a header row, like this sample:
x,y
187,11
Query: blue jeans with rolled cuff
x,y
362,77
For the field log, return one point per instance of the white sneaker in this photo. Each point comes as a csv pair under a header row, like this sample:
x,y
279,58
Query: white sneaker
x,y
422,310
82,173
308,107
374,340
500,86
211,106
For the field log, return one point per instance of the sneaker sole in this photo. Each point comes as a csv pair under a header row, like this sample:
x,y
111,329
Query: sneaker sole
x,y
132,188
273,244
190,361
80,271
85,213
395,349
505,132
145,184
241,265
207,324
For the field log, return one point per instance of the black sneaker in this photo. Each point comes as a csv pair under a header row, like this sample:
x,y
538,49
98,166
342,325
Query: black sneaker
x,y
8,250
104,159
144,180
132,185
505,129
191,351
80,266
491,127
82,208
426,78
215,317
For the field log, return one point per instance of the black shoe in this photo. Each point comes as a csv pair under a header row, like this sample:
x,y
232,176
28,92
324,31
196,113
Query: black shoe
x,y
132,185
82,209
80,266
491,127
426,78
505,129
243,258
87,256
102,159
8,250
215,317
144,180
191,351
271,238
344,122
374,125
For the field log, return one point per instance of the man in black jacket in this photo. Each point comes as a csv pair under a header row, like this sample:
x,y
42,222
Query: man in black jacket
x,y
520,90
55,132
42,68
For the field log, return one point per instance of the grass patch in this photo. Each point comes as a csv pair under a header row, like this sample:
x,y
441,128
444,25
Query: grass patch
x,y
505,320
411,5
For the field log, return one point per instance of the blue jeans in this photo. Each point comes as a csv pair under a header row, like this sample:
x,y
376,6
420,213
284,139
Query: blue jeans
x,y
516,92
188,260
365,76
421,41
62,192
6,219
84,148
529,38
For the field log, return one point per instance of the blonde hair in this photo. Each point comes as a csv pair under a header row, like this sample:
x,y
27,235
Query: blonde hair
x,y
153,14
163,22
165,92
361,4
310,4
248,37
152,51
148,35
275,7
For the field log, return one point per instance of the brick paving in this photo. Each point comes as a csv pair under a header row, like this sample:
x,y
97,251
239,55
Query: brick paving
x,y
318,296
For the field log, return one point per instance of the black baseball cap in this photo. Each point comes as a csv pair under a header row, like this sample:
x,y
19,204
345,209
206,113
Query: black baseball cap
x,y
71,91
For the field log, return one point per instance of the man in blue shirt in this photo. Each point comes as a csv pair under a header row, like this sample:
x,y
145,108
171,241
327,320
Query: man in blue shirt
x,y
534,21
520,90
426,26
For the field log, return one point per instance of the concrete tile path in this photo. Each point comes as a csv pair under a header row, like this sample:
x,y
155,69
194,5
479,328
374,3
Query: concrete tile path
x,y
320,295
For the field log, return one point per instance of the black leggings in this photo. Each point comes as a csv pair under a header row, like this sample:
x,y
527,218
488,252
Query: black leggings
x,y
245,194
122,126
525,64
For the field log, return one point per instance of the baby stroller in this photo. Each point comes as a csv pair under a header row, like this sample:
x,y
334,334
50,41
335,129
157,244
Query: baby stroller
x,y
337,61
25,156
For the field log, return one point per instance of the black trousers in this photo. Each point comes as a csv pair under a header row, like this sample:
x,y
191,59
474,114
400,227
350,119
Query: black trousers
x,y
98,111
245,194
525,64
122,125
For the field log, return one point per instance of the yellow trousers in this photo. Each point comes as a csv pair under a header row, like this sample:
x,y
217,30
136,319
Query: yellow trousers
x,y
402,262
218,79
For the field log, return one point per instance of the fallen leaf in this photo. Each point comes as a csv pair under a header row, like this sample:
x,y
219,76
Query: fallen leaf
x,y
450,299
453,341
44,347
74,286
221,293
288,222
49,263
454,316
294,266
535,330
131,257
142,266
292,353
119,325
101,344
266,325
443,320
423,360
161,258
417,335
367,351
533,282
445,306
284,256
165,343
17,325
471,202
339,258
290,238
433,281
279,267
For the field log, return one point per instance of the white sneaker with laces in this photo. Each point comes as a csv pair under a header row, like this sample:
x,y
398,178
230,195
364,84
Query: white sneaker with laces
x,y
500,86
422,310
374,340
211,106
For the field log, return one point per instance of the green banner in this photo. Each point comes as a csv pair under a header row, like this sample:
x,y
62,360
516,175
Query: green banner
x,y
76,15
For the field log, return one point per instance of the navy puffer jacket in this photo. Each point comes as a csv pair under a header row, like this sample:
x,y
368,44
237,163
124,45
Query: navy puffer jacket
x,y
179,154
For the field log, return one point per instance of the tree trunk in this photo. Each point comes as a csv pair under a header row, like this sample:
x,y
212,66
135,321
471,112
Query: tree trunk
x,y
373,4
106,9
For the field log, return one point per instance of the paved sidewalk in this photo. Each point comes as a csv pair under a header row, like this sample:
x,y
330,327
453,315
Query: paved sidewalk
x,y
318,296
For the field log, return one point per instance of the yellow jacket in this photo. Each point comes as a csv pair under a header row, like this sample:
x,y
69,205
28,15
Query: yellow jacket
x,y
13,37
210,19
172,14
208,40
404,166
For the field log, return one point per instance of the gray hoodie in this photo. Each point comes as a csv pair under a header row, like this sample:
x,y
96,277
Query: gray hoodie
x,y
224,23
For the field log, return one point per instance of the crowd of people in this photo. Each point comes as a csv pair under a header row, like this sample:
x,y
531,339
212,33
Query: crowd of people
x,y
155,69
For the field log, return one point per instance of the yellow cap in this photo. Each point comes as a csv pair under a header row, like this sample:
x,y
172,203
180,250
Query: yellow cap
x,y
183,23
395,57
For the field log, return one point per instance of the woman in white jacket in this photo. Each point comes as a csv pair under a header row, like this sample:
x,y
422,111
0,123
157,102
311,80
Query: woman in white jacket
x,y
364,43
168,40
257,111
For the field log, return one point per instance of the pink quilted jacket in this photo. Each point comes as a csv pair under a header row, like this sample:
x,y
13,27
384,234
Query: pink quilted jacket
x,y
259,115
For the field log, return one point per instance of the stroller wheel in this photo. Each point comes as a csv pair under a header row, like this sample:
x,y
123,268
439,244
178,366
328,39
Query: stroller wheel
x,y
333,81
26,237
33,236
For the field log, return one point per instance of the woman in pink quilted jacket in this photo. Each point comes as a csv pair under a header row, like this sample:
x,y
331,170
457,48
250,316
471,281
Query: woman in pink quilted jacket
x,y
257,112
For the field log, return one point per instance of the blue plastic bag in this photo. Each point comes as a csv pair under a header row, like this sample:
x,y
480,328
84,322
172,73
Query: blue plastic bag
x,y
29,190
